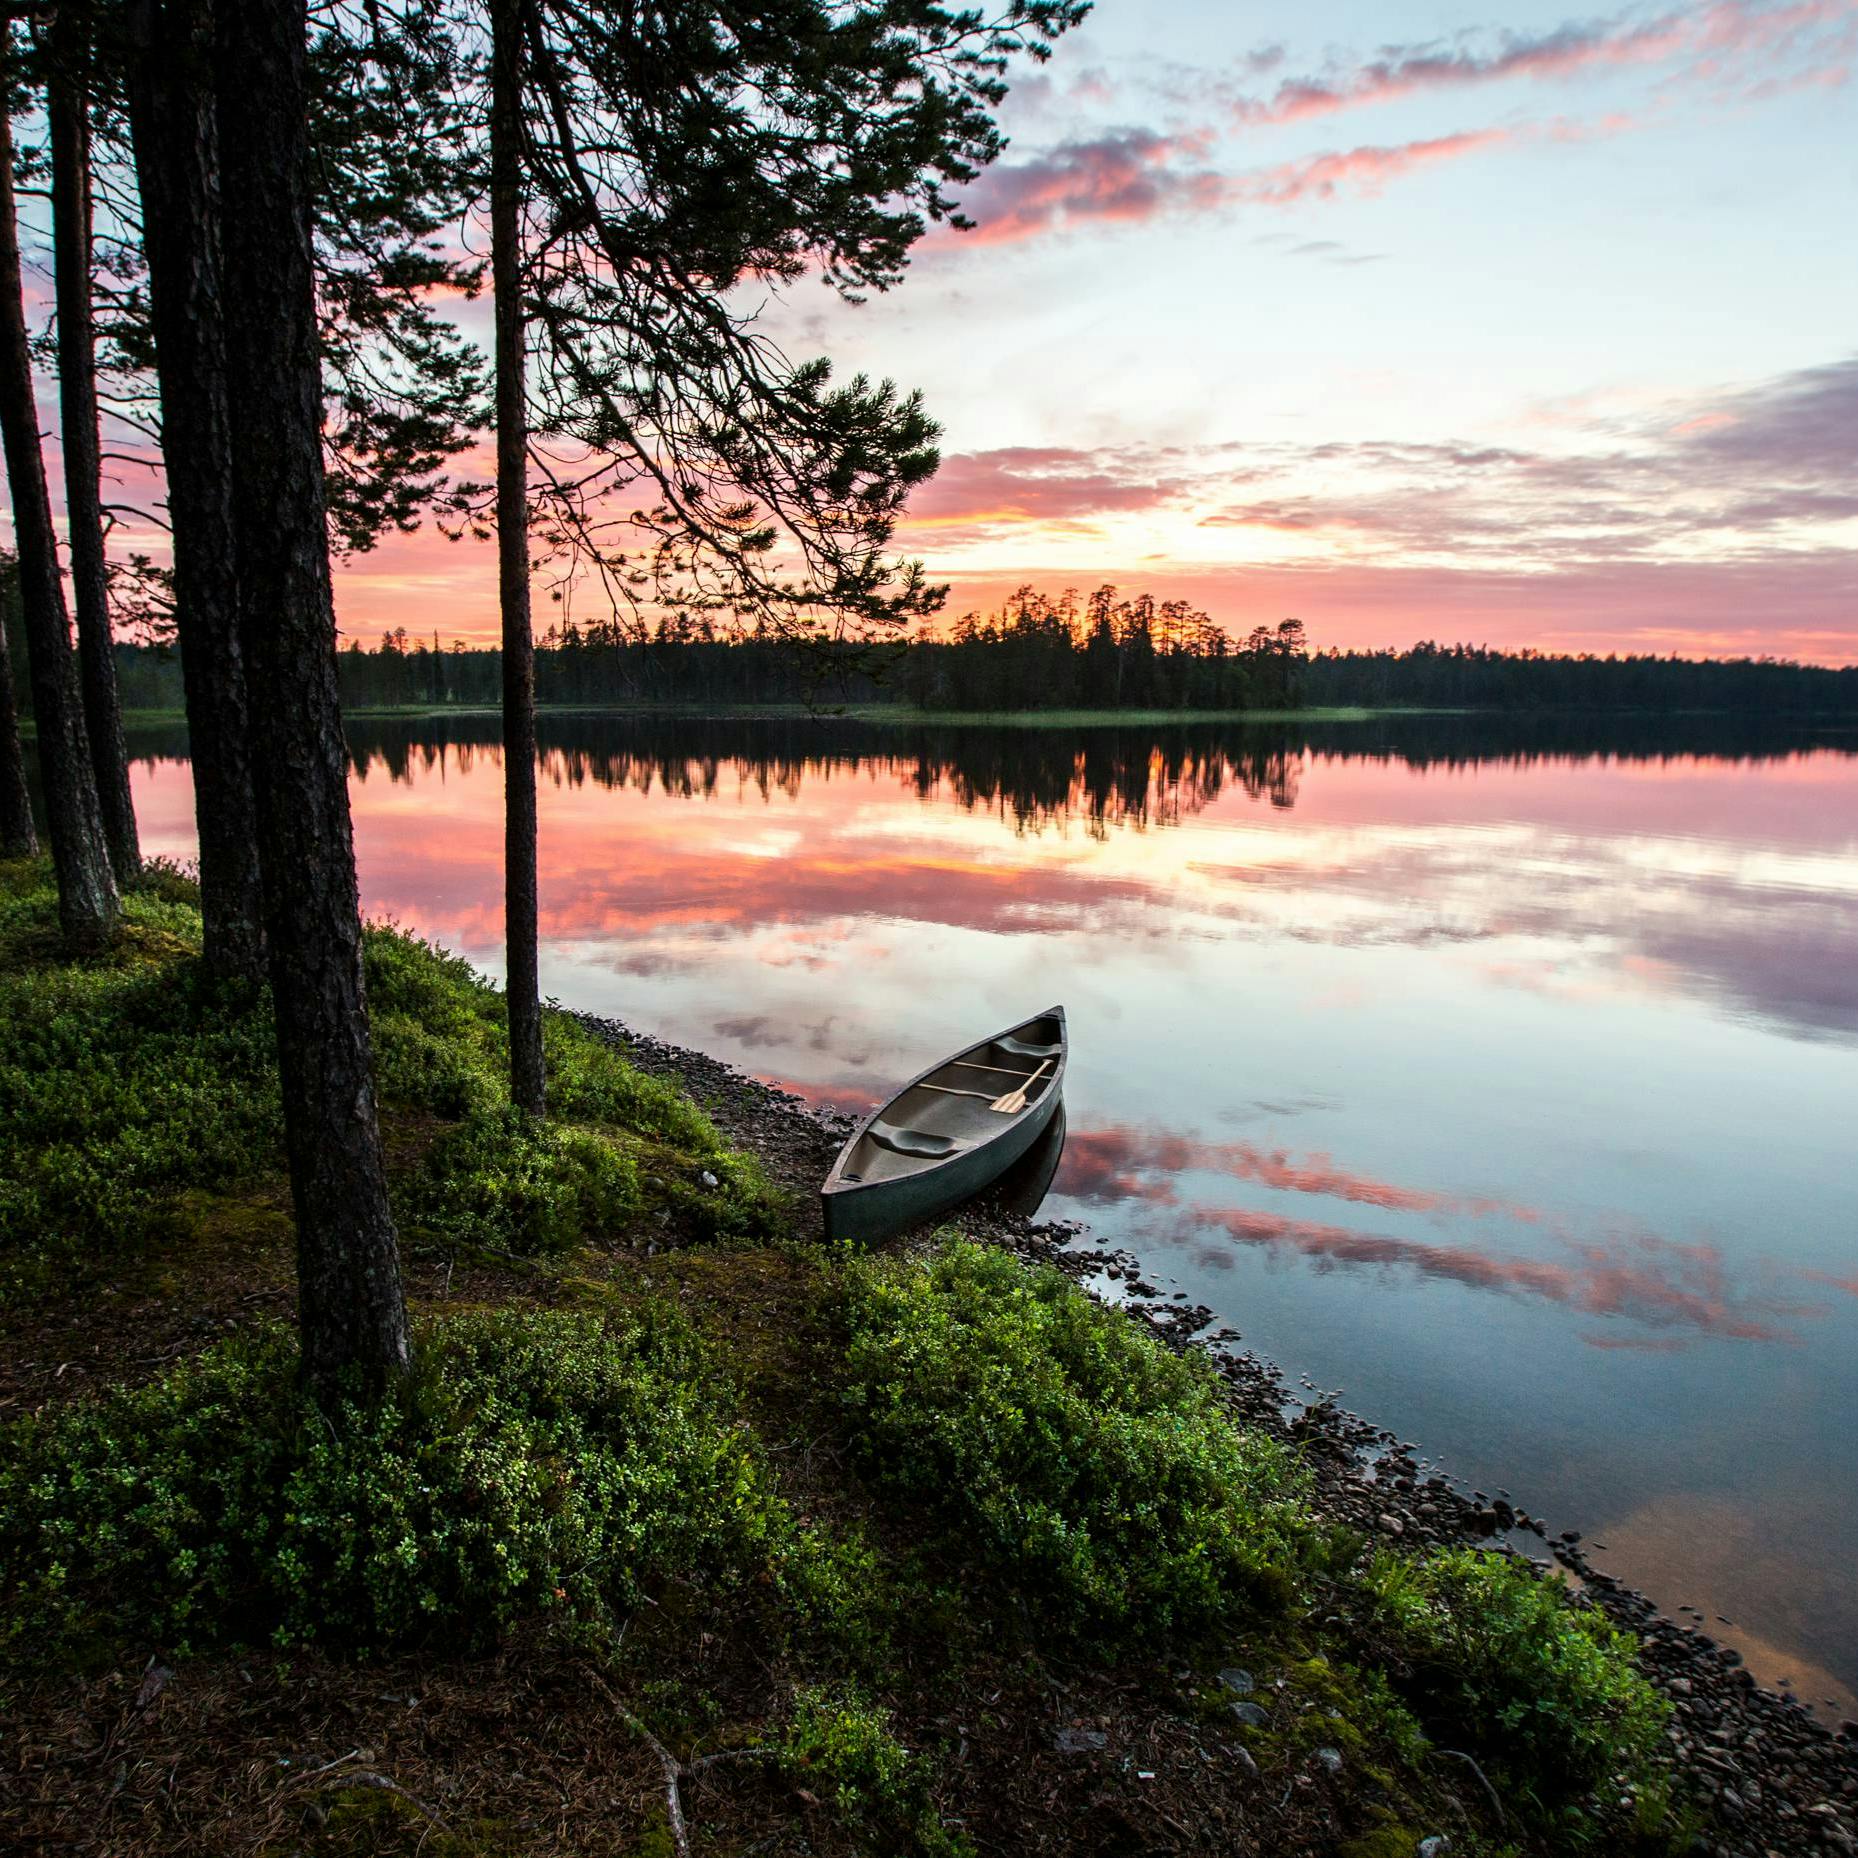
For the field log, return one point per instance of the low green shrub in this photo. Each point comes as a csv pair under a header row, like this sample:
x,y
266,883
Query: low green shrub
x,y
841,1747
441,1038
590,1082
532,1463
124,1081
1506,1661
1095,1472
516,1184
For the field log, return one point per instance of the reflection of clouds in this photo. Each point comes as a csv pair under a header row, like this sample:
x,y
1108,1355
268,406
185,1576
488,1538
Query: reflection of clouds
x,y
1634,1276
851,1099
1764,932
1640,1278
1120,1163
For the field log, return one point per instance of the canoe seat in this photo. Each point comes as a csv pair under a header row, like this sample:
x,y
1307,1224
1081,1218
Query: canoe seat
x,y
915,1142
1024,1048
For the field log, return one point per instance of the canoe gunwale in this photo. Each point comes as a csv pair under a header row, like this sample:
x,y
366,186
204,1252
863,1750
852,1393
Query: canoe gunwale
x,y
1016,1135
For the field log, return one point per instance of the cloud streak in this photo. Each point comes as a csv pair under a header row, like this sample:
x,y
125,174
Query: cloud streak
x,y
1648,1280
1734,42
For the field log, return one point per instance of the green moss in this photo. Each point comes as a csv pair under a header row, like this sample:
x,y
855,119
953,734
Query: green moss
x,y
1063,1450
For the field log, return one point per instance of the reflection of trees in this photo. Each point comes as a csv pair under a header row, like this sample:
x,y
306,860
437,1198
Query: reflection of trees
x,y
1101,779
1098,779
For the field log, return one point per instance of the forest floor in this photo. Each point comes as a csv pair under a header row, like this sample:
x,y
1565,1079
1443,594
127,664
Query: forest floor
x,y
691,1535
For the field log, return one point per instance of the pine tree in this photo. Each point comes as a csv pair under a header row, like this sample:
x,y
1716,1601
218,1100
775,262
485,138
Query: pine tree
x,y
68,114
88,902
351,1306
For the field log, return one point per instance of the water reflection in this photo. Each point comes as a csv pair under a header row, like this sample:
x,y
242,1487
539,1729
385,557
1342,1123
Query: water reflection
x,y
1504,1076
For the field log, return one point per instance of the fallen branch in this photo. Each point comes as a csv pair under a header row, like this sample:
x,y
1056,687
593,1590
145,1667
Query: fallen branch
x,y
1496,1805
676,1772
366,1777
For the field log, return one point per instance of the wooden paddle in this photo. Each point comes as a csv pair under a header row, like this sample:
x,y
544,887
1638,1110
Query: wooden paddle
x,y
1015,1100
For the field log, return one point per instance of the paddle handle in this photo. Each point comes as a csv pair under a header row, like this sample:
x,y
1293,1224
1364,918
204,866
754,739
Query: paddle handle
x,y
1015,1100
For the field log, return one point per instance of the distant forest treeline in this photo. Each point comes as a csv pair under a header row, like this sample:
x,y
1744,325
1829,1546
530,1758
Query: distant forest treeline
x,y
1097,652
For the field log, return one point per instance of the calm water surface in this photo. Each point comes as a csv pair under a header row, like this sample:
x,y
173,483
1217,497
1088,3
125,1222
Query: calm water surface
x,y
1506,1085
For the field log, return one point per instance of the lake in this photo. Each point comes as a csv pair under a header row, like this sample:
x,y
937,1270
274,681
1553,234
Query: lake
x,y
1500,1078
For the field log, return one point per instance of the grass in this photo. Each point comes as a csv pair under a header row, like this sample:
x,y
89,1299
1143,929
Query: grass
x,y
869,1526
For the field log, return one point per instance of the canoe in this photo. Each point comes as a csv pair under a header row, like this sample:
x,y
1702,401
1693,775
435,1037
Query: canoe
x,y
939,1141
1023,1187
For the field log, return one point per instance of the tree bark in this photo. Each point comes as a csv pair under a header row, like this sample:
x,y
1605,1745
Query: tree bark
x,y
18,837
520,932
351,1307
177,174
69,123
88,905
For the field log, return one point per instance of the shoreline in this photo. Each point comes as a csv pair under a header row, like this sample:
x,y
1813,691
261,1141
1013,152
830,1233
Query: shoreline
x,y
1765,1760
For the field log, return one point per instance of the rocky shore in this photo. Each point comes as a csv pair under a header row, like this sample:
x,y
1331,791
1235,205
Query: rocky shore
x,y
1780,1780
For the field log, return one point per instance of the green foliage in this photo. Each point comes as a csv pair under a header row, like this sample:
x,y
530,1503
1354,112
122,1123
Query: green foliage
x,y
128,1080
1096,1472
516,1184
533,1463
589,1082
440,1034
123,1082
1506,1660
841,1747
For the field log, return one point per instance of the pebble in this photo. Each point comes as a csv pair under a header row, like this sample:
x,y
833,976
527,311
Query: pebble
x,y
1329,1760
1079,1741
1392,1525
1250,1715
1240,1683
1435,1847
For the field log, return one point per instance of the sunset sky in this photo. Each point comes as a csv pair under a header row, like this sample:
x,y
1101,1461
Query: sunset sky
x,y
1412,320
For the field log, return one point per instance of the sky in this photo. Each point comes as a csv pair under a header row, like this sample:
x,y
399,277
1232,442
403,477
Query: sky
x,y
1495,323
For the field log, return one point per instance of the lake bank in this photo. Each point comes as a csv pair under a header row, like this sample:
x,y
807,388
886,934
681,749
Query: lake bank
x,y
1281,1716
928,1699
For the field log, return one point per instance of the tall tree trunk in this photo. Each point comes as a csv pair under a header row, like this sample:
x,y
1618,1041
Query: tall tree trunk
x,y
18,838
351,1308
520,935
69,122
87,900
177,174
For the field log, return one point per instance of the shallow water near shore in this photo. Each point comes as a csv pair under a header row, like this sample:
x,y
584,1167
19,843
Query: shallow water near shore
x,y
1498,1077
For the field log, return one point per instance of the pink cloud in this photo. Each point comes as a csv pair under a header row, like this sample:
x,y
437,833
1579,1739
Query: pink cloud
x,y
1713,43
1128,175
1365,170
974,492
1133,176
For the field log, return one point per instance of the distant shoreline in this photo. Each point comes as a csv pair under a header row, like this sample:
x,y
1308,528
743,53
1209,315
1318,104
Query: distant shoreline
x,y
898,715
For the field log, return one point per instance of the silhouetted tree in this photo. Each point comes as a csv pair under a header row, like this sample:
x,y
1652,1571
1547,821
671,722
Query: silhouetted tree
x,y
18,837
68,120
352,1311
645,164
87,896
522,963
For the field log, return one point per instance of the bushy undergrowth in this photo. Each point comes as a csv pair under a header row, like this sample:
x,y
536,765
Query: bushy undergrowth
x,y
1067,1452
1504,1659
841,1747
126,1081
534,1463
510,1182
122,1081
